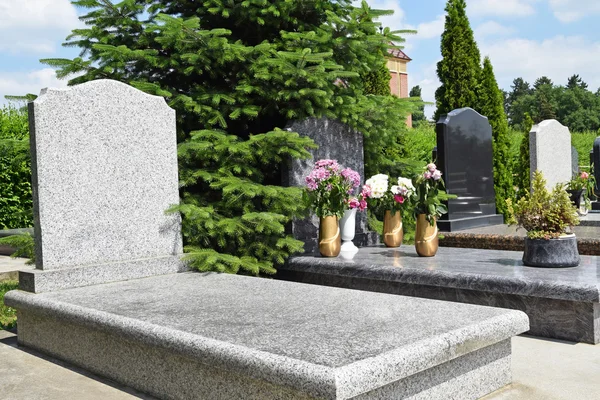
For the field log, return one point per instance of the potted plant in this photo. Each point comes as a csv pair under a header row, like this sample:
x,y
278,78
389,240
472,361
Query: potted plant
x,y
429,207
580,188
390,200
547,217
328,190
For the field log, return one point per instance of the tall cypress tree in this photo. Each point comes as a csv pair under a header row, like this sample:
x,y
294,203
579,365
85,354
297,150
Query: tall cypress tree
x,y
492,106
237,72
418,116
459,70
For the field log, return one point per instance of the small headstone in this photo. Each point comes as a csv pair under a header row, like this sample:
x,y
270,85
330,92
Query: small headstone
x,y
574,161
104,169
336,141
550,152
464,155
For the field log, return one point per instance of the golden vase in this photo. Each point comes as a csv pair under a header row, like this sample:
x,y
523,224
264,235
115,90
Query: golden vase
x,y
392,229
330,240
426,237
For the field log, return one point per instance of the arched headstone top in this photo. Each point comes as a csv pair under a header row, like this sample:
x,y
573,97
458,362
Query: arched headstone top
x,y
104,165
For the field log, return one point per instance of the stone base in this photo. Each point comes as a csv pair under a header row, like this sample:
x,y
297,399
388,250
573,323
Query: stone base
x,y
561,303
180,337
454,225
39,281
366,239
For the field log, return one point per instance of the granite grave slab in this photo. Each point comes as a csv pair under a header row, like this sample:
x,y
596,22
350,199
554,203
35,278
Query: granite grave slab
x,y
550,152
464,155
560,303
181,336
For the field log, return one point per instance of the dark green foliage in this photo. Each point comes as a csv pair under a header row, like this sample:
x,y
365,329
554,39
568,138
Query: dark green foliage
x,y
23,245
377,81
237,72
15,173
8,316
492,105
522,169
459,70
418,116
572,105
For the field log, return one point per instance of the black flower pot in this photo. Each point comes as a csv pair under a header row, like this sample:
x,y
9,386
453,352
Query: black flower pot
x,y
576,197
552,253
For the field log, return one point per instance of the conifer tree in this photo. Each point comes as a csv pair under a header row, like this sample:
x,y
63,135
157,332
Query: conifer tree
x,y
237,72
378,81
492,106
523,168
419,115
459,70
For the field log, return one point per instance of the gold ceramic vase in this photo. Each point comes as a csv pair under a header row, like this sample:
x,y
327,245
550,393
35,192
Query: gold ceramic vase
x,y
330,240
426,237
392,229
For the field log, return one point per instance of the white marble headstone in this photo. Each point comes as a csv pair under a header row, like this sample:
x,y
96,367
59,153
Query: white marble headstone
x,y
550,152
104,164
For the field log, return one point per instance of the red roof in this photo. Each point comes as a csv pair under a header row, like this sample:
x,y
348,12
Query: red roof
x,y
397,53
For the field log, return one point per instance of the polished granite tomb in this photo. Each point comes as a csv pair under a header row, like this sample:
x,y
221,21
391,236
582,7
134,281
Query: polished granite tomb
x,y
221,336
464,155
560,303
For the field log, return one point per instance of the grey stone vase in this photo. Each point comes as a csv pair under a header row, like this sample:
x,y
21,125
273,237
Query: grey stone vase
x,y
553,253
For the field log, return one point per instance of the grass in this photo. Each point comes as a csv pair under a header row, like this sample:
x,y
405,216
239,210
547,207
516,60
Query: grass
x,y
8,316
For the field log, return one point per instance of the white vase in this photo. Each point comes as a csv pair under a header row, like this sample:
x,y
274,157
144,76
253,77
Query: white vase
x,y
348,230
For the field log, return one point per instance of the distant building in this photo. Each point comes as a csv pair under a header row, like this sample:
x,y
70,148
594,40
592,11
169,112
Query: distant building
x,y
397,63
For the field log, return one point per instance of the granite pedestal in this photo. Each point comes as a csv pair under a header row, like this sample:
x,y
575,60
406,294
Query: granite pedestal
x,y
560,303
209,336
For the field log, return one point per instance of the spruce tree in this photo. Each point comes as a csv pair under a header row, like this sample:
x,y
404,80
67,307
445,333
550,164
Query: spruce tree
x,y
378,81
459,70
237,72
492,106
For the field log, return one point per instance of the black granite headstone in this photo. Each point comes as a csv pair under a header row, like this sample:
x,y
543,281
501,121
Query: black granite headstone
x,y
596,171
574,161
464,155
336,141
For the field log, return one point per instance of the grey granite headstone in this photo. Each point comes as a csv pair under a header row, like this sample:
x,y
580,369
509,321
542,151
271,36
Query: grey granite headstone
x,y
550,152
574,161
465,157
104,169
336,141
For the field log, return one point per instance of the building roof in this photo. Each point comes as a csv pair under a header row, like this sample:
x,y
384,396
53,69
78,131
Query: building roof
x,y
397,53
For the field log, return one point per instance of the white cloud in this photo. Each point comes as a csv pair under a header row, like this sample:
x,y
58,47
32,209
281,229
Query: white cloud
x,y
432,29
504,8
558,58
574,10
492,28
21,83
36,26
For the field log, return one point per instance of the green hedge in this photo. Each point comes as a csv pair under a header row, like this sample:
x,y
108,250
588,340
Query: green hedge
x,y
15,171
8,316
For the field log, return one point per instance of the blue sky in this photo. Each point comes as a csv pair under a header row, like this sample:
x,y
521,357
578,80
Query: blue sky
x,y
527,38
